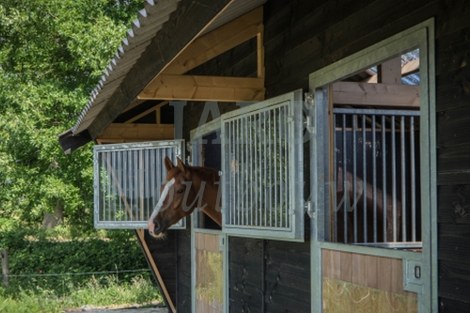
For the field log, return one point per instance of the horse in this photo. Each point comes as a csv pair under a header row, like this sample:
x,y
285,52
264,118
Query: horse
x,y
186,188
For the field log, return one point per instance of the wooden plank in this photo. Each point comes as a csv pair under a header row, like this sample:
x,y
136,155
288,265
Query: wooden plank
x,y
346,266
371,271
359,272
366,94
389,72
204,88
153,265
217,42
384,272
136,132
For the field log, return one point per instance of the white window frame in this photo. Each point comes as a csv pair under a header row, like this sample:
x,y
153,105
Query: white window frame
x,y
293,190
152,185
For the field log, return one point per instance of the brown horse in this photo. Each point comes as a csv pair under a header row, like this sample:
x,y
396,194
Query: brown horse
x,y
186,188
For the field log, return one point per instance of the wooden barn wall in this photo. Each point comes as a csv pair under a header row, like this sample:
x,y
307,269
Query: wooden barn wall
x,y
453,141
183,264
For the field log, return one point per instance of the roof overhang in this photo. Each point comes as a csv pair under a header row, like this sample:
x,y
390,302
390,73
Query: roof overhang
x,y
161,34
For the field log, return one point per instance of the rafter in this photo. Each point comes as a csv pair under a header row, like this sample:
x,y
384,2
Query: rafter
x,y
218,41
204,88
173,84
352,93
136,132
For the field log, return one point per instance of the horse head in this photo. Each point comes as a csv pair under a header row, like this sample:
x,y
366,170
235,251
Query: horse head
x,y
177,198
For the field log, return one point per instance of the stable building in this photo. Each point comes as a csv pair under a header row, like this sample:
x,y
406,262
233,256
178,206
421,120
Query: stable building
x,y
340,132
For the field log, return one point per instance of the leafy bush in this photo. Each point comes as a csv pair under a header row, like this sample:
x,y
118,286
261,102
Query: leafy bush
x,y
75,269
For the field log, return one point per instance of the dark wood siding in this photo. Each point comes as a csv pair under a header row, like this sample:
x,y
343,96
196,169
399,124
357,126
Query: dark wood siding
x,y
269,276
453,141
183,298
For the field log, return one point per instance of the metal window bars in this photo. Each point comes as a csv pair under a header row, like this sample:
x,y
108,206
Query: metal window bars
x,y
376,193
263,169
127,182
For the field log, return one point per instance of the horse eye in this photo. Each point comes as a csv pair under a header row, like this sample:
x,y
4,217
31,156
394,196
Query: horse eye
x,y
181,190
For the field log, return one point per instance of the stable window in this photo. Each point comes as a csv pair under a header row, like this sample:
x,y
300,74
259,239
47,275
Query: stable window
x,y
262,164
374,177
374,154
127,182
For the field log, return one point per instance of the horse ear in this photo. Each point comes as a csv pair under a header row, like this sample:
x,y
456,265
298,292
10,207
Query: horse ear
x,y
181,166
168,164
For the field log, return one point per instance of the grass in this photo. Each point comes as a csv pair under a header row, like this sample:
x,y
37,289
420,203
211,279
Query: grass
x,y
107,291
50,271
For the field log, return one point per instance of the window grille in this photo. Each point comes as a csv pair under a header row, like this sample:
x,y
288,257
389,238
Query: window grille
x,y
263,169
376,173
127,181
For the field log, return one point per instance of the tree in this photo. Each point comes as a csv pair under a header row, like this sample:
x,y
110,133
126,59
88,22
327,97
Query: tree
x,y
52,53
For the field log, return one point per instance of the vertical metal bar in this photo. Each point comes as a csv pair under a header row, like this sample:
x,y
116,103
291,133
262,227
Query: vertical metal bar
x,y
354,186
403,178
159,179
256,127
384,180
280,156
243,189
335,181
140,215
275,152
345,182
269,174
242,176
265,166
250,164
413,178
135,208
245,171
124,179
364,175
152,172
147,174
119,178
286,164
108,182
234,174
248,173
237,176
394,182
374,175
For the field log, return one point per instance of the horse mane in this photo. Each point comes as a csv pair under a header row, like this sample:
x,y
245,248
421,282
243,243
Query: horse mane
x,y
207,174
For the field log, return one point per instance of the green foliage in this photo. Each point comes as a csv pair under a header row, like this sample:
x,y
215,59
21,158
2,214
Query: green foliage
x,y
52,53
140,290
49,271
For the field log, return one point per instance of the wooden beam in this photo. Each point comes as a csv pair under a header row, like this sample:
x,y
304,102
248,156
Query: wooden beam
x,y
217,42
136,132
153,265
407,69
204,88
352,93
389,72
410,67
148,111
